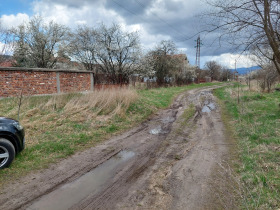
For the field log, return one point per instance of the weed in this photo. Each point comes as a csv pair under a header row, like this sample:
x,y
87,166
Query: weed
x,y
177,157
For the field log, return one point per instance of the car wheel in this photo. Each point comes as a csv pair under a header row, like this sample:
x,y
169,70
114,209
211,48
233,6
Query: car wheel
x,y
7,153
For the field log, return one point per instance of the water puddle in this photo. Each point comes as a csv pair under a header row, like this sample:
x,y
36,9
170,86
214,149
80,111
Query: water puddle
x,y
208,108
156,130
88,184
168,120
212,106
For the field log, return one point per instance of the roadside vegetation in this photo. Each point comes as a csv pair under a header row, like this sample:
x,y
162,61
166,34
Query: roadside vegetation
x,y
256,123
60,125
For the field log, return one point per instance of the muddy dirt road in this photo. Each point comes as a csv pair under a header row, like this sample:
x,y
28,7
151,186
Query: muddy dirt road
x,y
166,162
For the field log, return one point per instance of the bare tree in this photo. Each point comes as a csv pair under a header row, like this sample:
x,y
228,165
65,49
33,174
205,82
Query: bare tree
x,y
5,44
83,46
267,77
213,69
37,42
249,24
163,60
225,74
117,52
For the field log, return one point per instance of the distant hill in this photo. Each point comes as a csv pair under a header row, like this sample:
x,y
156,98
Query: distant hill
x,y
244,70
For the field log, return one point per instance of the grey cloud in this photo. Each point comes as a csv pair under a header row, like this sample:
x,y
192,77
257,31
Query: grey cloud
x,y
172,5
73,3
128,8
178,24
179,20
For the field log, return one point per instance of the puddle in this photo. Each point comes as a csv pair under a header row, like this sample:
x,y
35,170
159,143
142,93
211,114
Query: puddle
x,y
168,120
88,184
206,109
212,106
156,130
209,107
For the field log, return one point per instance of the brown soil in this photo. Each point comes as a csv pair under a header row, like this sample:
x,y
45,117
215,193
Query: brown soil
x,y
172,167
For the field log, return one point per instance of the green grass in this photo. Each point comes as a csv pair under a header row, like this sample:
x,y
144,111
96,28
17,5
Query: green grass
x,y
256,122
53,135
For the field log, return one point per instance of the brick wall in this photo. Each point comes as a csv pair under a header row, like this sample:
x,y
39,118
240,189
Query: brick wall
x,y
71,82
43,81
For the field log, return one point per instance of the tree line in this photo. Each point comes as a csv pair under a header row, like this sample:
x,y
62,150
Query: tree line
x,y
247,25
104,49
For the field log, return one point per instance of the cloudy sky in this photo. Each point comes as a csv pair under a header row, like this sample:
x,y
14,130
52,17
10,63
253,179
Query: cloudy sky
x,y
155,20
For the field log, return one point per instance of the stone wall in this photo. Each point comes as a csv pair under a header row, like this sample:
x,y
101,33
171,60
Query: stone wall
x,y
13,81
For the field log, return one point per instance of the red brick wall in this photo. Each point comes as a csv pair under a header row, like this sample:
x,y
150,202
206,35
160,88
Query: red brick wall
x,y
71,82
41,81
30,83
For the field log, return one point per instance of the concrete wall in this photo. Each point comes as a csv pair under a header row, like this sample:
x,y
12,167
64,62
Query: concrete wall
x,y
13,81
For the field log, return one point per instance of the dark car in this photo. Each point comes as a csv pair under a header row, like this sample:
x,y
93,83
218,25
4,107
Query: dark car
x,y
11,140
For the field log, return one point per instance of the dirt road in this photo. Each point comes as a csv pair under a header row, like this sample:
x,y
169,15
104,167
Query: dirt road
x,y
167,162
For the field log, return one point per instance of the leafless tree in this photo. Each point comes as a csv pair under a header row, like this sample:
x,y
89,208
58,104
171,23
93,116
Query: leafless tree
x,y
5,44
225,74
213,69
83,46
249,24
117,52
37,42
267,77
163,60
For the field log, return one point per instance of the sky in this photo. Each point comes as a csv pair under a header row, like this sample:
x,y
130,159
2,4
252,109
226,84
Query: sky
x,y
155,20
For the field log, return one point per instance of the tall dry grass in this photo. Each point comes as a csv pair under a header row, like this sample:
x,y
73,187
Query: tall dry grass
x,y
41,114
103,102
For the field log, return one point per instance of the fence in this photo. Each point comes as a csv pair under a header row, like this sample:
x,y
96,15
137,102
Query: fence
x,y
31,81
35,81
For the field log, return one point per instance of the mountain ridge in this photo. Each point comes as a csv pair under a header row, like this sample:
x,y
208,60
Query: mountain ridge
x,y
244,70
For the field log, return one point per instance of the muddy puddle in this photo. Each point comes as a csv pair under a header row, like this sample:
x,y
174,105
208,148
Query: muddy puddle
x,y
168,120
156,130
208,107
88,184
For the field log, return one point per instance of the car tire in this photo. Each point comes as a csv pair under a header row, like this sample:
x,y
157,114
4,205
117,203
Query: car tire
x,y
7,153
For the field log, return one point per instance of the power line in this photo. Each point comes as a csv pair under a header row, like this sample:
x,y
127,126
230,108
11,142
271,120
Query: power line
x,y
124,8
181,34
162,20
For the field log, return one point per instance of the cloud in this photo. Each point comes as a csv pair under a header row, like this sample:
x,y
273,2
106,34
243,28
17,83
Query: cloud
x,y
65,12
92,14
229,60
172,19
155,20
9,21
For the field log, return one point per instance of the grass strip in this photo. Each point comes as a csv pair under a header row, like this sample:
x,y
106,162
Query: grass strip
x,y
256,122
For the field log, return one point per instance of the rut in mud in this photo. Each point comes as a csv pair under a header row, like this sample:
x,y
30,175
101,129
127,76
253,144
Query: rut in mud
x,y
165,163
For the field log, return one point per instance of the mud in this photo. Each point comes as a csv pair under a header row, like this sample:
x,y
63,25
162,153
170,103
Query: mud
x,y
90,183
169,166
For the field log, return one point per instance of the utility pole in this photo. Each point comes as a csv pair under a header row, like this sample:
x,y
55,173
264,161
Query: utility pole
x,y
237,83
198,44
197,60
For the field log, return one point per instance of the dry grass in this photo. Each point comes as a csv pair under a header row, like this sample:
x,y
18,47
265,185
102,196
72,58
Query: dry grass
x,y
47,113
107,102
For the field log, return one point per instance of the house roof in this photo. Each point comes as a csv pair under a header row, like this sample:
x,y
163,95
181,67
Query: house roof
x,y
9,63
